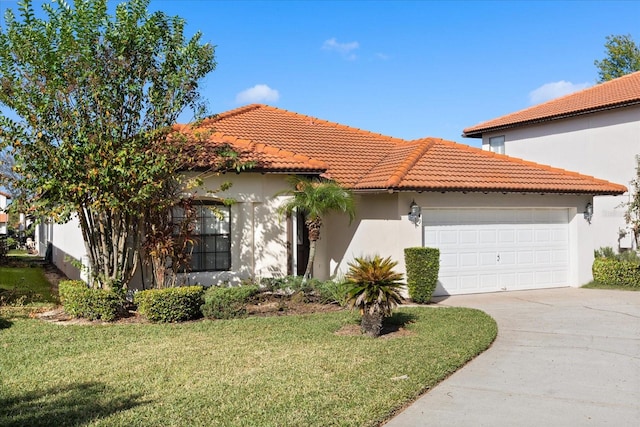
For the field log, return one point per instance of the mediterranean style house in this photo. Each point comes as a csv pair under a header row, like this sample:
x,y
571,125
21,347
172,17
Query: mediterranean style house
x,y
595,131
500,223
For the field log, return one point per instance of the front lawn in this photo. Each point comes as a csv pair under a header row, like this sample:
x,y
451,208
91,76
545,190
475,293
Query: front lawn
x,y
26,283
259,371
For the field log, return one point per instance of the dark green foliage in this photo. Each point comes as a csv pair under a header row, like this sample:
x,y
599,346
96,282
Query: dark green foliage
x,y
221,302
170,304
422,266
613,272
81,301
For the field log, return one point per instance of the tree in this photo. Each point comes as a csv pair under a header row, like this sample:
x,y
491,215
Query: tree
x,y
315,199
623,57
375,290
96,96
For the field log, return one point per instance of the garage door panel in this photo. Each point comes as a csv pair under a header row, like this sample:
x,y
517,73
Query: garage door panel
x,y
448,260
468,237
468,259
488,237
526,257
487,259
525,236
496,249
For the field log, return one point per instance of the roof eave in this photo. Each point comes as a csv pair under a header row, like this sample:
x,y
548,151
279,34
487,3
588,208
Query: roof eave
x,y
477,133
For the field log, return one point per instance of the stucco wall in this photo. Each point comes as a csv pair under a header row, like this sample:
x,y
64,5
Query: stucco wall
x,y
602,144
260,236
382,227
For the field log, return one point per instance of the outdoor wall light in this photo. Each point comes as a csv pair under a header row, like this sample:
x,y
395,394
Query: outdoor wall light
x,y
588,212
414,213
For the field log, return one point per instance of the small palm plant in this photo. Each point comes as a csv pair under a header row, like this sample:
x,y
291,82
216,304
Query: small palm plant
x,y
374,289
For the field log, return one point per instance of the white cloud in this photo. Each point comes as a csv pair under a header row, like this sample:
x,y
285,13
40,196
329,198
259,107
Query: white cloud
x,y
382,56
344,49
258,93
554,90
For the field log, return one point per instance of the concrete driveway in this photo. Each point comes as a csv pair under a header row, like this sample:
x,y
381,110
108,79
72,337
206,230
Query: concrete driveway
x,y
563,357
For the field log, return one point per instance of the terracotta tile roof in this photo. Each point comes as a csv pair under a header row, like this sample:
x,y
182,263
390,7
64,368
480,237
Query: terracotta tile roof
x,y
620,92
448,166
361,160
4,217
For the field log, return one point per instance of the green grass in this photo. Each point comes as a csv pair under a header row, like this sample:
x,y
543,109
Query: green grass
x,y
25,283
260,371
597,285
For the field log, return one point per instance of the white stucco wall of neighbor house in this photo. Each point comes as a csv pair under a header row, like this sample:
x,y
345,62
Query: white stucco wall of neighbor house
x,y
66,246
603,144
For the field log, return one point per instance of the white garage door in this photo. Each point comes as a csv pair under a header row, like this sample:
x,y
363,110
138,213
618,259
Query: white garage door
x,y
487,250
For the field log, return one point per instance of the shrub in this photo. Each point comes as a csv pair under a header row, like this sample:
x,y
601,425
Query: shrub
x,y
374,289
422,266
613,272
289,284
331,292
170,304
80,301
608,252
227,302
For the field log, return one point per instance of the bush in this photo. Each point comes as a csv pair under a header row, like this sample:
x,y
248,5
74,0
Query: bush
x,y
608,252
331,292
613,272
79,300
289,284
422,266
170,304
227,302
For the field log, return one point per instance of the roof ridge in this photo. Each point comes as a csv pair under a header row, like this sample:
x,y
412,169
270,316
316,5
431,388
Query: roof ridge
x,y
231,113
423,145
315,120
530,163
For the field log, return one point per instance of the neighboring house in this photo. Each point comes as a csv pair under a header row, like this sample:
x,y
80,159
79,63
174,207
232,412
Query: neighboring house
x,y
4,217
595,131
500,223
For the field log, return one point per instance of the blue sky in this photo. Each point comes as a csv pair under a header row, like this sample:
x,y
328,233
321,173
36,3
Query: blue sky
x,y
407,69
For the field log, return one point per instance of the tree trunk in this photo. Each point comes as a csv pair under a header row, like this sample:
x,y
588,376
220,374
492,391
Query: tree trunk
x,y
312,254
371,323
313,225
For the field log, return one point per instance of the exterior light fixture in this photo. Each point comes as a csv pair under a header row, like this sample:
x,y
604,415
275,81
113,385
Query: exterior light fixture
x,y
414,213
588,212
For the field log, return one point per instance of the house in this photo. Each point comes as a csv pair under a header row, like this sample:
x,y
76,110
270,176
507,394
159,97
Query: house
x,y
4,217
501,223
595,131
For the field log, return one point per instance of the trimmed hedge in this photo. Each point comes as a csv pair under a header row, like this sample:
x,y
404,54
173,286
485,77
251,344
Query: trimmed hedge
x,y
79,300
227,302
422,266
170,304
613,272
